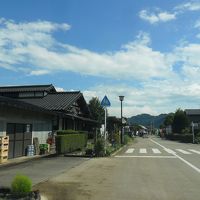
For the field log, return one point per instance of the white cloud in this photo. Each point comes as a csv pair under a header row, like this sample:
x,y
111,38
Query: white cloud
x,y
190,6
197,24
35,51
39,26
153,97
59,89
189,56
26,44
39,72
198,36
156,17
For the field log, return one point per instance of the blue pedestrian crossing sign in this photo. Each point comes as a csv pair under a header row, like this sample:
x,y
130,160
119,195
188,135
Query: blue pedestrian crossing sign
x,y
105,102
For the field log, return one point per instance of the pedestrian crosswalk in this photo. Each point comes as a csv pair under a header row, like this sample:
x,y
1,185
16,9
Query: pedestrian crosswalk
x,y
130,150
183,151
143,150
156,151
194,151
161,151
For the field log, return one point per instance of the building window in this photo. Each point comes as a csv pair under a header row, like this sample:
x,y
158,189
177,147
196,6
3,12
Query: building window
x,y
39,94
26,94
28,128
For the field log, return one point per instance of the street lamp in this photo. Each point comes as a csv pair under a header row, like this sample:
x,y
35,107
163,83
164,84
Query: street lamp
x,y
121,98
192,124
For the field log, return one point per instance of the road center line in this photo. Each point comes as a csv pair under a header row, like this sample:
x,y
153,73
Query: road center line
x,y
177,156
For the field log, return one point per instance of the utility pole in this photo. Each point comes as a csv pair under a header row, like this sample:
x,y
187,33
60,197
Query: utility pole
x,y
121,98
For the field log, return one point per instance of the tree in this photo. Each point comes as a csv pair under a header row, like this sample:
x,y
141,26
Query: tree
x,y
96,109
180,121
169,119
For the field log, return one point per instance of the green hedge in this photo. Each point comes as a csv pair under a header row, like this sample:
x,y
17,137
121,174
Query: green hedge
x,y
70,142
187,138
67,132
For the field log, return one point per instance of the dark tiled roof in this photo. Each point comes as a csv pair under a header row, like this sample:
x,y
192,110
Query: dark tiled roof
x,y
54,101
82,118
5,101
28,88
192,111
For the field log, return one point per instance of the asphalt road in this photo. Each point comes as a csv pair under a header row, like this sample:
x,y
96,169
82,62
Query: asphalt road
x,y
150,169
39,170
160,169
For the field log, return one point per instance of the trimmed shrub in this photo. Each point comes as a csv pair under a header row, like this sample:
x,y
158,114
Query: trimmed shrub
x,y
185,131
66,132
127,139
197,138
70,142
99,148
21,185
117,138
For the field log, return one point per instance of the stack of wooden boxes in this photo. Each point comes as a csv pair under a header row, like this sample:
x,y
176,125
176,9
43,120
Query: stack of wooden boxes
x,y
4,144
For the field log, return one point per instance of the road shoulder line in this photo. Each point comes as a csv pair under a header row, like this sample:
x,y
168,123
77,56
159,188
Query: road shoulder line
x,y
179,157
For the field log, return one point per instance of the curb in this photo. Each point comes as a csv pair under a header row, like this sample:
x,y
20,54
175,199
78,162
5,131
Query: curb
x,y
113,154
78,156
28,159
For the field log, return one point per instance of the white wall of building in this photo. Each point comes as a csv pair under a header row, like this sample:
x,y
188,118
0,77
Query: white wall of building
x,y
41,123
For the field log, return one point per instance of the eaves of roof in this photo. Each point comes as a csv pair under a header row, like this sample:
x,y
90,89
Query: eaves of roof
x,y
192,111
27,88
59,101
5,101
82,118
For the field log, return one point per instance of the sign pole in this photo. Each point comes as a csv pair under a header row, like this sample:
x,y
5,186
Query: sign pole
x,y
105,103
105,131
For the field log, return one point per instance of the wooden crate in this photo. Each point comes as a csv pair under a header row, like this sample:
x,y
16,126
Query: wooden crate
x,y
4,139
3,159
4,146
3,152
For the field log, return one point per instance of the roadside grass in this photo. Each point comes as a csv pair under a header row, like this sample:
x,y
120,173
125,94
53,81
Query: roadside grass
x,y
99,149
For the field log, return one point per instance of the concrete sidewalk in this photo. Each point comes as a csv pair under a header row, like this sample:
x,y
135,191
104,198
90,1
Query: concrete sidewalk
x,y
24,159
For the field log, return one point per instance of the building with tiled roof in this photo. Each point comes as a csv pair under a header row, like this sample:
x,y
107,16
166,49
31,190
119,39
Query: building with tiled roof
x,y
43,109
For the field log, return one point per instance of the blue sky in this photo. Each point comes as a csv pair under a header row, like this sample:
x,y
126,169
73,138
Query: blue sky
x,y
147,51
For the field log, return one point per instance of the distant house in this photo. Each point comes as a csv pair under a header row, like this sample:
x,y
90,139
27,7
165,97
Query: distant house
x,y
193,115
35,110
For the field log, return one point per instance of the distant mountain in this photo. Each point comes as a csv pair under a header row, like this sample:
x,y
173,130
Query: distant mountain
x,y
147,120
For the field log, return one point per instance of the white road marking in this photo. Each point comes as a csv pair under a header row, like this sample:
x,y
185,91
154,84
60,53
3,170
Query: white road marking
x,y
156,151
177,156
194,151
170,151
130,150
143,151
183,151
145,156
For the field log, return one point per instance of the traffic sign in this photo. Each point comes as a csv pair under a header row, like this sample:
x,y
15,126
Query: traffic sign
x,y
105,102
